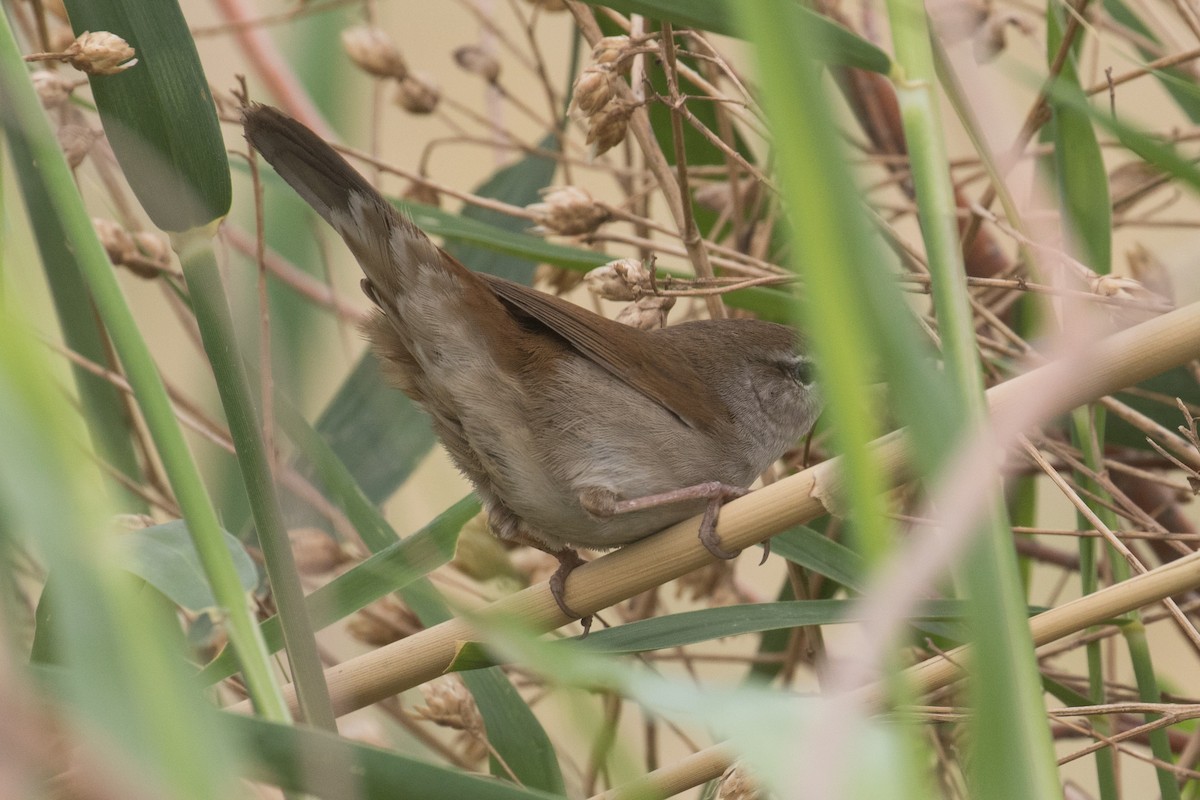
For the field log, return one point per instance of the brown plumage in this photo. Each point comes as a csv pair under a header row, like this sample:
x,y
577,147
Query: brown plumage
x,y
562,419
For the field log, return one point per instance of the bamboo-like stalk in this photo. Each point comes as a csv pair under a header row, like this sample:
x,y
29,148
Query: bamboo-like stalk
x,y
1117,361
706,765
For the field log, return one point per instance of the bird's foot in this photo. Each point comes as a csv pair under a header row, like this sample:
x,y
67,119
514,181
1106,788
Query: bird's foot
x,y
568,560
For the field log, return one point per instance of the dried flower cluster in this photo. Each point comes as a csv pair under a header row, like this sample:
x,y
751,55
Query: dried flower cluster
x,y
418,93
98,53
375,53
593,90
595,98
628,279
647,313
449,704
567,210
621,280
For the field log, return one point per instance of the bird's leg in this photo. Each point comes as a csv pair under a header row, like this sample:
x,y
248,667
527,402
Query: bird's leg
x,y
568,560
507,526
605,503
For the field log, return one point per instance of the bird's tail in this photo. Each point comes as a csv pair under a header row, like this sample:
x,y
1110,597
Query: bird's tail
x,y
384,242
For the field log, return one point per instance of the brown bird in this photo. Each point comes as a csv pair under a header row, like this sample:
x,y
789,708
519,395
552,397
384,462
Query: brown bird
x,y
573,428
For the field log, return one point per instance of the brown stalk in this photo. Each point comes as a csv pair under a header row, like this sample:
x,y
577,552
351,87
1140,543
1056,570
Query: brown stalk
x,y
639,125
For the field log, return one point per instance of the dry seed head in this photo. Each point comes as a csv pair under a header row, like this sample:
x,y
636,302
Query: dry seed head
x,y
374,52
100,53
607,128
52,90
315,550
593,90
1149,303
622,280
116,240
480,555
568,210
449,704
610,50
418,94
647,313
477,61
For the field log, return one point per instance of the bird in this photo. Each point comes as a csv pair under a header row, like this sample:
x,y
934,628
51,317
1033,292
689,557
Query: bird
x,y
574,429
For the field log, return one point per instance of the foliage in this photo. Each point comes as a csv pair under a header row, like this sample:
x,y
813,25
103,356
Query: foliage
x,y
805,174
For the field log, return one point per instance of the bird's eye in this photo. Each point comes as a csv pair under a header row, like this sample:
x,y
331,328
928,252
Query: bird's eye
x,y
802,371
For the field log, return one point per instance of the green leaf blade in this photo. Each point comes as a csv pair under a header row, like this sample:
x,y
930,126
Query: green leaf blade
x,y
159,115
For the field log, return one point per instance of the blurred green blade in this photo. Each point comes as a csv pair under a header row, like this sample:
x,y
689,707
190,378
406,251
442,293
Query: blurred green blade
x,y
690,627
704,625
159,115
836,44
24,119
124,683
104,408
